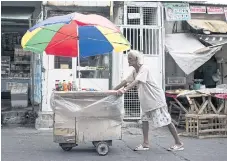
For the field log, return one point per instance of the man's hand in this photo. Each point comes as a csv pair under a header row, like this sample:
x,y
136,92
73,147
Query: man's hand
x,y
120,92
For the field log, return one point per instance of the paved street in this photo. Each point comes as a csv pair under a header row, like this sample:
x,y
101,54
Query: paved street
x,y
25,144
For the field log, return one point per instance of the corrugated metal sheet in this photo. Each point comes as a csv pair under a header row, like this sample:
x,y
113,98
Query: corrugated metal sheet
x,y
210,2
214,26
213,39
22,16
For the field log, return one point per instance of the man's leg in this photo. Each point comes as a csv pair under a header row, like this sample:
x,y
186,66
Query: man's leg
x,y
145,145
145,128
173,131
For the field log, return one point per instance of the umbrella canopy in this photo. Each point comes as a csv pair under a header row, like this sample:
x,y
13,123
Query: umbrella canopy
x,y
74,34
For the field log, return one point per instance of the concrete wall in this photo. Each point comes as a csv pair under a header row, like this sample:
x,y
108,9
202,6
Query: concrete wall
x,y
36,12
118,12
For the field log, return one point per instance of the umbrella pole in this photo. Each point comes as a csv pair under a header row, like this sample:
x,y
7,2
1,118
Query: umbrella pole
x,y
79,85
74,69
79,70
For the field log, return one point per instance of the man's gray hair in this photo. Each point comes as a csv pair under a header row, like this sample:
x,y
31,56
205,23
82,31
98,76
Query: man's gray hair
x,y
138,55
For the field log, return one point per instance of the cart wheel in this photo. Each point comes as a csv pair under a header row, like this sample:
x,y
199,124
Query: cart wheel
x,y
65,148
102,148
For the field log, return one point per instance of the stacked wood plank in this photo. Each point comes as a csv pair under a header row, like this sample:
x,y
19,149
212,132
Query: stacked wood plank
x,y
205,120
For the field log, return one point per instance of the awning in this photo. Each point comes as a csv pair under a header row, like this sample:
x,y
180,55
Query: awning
x,y
213,39
215,26
19,13
183,46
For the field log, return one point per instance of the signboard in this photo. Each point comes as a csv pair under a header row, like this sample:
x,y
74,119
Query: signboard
x,y
215,10
133,15
198,9
177,11
225,11
64,66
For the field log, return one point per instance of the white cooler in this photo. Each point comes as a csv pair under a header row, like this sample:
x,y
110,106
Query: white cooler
x,y
19,95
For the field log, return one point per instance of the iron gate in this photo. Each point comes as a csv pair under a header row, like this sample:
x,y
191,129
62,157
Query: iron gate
x,y
148,40
143,28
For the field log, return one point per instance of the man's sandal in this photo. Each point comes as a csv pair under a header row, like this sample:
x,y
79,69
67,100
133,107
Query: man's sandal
x,y
176,148
141,148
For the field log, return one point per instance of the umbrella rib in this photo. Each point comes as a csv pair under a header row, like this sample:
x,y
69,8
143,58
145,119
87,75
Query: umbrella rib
x,y
60,32
75,36
57,42
107,41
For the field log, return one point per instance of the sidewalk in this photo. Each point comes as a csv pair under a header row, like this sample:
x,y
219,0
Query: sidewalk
x,y
195,149
26,144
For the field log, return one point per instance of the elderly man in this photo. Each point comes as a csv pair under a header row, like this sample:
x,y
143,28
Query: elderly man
x,y
152,100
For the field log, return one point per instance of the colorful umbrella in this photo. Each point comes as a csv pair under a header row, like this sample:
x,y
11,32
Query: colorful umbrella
x,y
75,35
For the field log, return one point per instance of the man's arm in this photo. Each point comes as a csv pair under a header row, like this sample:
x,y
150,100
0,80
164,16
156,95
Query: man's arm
x,y
131,85
129,79
141,77
127,88
122,84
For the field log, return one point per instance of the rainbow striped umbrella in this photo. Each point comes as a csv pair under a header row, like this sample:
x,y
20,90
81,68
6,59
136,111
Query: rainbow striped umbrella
x,y
75,35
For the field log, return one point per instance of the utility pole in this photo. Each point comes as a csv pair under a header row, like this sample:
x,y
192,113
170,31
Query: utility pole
x,y
32,73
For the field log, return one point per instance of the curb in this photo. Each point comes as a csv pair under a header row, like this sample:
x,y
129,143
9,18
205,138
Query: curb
x,y
125,125
131,125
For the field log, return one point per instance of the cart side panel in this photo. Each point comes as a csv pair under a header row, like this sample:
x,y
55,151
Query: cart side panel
x,y
64,129
86,116
93,129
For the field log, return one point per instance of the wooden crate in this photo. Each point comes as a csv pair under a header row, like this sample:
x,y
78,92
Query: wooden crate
x,y
206,125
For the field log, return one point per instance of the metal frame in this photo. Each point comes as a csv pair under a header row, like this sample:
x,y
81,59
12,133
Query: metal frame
x,y
141,4
157,25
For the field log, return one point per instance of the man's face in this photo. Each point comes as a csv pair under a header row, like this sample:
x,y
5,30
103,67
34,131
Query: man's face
x,y
131,60
169,10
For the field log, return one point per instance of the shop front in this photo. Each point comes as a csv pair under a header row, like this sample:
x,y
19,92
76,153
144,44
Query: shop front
x,y
195,54
16,64
205,26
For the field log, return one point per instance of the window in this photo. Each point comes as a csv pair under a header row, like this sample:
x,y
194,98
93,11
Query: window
x,y
147,14
143,39
150,16
62,62
95,66
133,10
91,67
